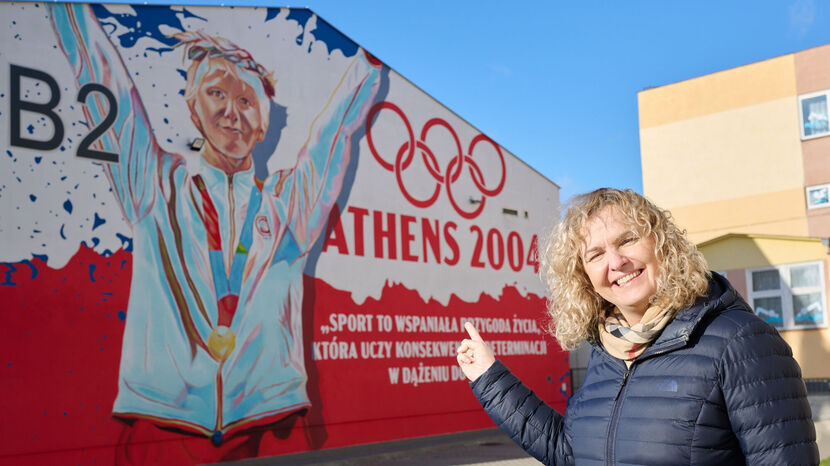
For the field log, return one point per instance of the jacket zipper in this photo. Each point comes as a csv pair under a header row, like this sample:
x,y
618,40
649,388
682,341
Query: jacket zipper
x,y
665,350
232,226
615,415
217,431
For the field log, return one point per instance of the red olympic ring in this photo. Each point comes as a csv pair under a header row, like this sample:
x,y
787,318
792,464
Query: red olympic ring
x,y
406,153
467,215
399,176
371,117
427,126
479,182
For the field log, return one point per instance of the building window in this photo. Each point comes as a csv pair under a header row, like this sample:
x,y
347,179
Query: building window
x,y
789,296
813,115
818,196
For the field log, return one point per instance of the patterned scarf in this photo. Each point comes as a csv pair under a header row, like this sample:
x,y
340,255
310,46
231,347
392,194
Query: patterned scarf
x,y
627,342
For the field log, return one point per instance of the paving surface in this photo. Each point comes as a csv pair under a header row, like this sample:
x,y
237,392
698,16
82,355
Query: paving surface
x,y
821,417
489,447
482,447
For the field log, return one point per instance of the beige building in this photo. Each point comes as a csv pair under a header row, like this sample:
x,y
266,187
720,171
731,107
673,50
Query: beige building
x,y
742,159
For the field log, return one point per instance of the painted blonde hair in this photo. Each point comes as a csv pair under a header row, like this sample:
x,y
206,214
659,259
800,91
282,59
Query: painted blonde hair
x,y
207,53
574,307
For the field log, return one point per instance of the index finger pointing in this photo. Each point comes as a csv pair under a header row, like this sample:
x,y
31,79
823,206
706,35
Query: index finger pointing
x,y
471,330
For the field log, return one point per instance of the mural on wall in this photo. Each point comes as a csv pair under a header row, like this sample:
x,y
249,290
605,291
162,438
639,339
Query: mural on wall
x,y
226,239
213,322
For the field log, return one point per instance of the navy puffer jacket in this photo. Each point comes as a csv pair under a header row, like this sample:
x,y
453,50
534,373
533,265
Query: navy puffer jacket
x,y
718,386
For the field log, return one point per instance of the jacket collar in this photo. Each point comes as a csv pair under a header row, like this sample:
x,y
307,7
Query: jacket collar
x,y
719,296
217,180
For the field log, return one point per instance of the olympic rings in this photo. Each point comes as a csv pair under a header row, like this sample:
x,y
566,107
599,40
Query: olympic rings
x,y
465,214
399,173
371,117
406,152
479,182
438,121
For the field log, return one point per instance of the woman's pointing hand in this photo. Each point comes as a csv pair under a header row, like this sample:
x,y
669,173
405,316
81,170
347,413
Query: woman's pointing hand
x,y
474,356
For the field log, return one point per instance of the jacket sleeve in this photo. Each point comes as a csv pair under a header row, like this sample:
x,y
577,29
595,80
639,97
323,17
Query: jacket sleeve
x,y
95,59
309,195
766,399
532,424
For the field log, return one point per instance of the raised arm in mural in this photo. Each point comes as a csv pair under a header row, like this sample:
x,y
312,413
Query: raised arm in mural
x,y
95,60
223,83
213,335
317,179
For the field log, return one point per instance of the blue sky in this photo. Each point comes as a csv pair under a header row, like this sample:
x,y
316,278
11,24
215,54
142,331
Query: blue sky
x,y
556,82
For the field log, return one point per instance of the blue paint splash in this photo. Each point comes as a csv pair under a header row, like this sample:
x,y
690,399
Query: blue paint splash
x,y
126,242
300,15
324,32
10,269
271,14
146,22
92,273
32,267
334,39
122,316
97,221
563,389
67,206
159,50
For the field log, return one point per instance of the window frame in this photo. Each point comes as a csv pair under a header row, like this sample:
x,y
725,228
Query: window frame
x,y
801,99
786,292
807,191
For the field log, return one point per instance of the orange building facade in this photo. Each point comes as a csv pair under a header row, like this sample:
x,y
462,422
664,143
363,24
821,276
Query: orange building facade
x,y
741,158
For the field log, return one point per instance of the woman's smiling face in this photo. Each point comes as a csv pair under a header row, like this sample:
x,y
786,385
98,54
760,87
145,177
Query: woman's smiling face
x,y
621,266
228,113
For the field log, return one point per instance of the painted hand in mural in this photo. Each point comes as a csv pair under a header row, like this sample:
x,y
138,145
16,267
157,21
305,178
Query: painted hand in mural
x,y
474,356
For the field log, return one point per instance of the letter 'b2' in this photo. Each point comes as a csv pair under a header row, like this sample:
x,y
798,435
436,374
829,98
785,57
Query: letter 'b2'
x,y
18,105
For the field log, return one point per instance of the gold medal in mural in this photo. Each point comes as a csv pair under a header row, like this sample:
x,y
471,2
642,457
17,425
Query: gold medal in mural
x,y
221,343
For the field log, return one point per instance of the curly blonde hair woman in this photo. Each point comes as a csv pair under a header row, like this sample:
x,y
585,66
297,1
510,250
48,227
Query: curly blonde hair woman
x,y
681,370
576,310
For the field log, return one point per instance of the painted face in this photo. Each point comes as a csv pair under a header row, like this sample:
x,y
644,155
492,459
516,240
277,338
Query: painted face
x,y
621,266
226,110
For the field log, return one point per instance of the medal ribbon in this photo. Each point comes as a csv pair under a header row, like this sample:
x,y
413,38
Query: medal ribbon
x,y
227,287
